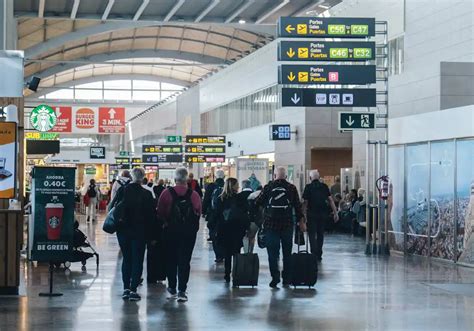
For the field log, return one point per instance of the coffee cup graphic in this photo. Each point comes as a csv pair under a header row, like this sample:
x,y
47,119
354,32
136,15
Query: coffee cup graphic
x,y
54,220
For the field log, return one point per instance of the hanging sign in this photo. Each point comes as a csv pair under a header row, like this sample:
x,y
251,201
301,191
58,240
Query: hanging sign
x,y
64,122
43,118
53,213
111,120
326,50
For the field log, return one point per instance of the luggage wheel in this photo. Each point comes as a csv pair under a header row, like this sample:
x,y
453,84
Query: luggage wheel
x,y
67,264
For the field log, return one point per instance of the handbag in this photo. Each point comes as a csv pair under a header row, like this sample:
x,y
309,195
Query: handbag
x,y
110,225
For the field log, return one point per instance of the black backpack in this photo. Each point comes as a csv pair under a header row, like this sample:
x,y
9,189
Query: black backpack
x,y
319,198
279,204
182,212
91,192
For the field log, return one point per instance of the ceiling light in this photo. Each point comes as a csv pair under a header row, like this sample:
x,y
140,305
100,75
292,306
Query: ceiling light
x,y
242,21
323,6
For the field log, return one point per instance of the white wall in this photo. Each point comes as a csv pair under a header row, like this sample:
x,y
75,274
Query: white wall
x,y
251,141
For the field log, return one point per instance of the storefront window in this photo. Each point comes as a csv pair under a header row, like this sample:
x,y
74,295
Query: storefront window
x,y
465,200
417,176
442,200
396,202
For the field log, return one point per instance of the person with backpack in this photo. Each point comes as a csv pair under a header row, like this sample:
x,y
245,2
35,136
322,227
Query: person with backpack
x,y
122,180
92,195
256,220
180,209
316,198
233,221
134,230
279,199
213,191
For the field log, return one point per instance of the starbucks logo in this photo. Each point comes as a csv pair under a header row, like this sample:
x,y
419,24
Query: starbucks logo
x,y
54,222
43,118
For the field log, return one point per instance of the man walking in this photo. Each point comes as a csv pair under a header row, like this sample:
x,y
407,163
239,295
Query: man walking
x,y
211,190
279,199
180,208
316,197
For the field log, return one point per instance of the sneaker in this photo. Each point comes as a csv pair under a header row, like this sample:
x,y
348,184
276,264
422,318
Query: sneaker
x,y
134,296
274,283
172,293
182,297
219,260
126,294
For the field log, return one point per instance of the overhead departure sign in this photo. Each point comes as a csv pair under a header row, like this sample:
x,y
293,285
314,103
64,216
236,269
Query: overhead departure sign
x,y
294,97
122,160
205,139
352,121
303,74
205,158
162,149
162,158
136,160
280,132
204,149
326,27
326,51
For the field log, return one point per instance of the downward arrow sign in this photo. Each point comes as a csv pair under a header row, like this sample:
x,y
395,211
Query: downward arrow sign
x,y
295,99
350,121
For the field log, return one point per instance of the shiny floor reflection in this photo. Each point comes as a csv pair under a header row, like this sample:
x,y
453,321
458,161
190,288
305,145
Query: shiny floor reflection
x,y
354,292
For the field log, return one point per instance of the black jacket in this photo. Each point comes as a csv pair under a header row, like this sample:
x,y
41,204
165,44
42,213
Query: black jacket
x,y
207,201
158,189
140,220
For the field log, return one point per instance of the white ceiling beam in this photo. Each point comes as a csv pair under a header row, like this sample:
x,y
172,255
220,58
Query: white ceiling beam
x,y
307,8
141,9
272,11
207,10
107,10
75,8
174,10
41,6
239,10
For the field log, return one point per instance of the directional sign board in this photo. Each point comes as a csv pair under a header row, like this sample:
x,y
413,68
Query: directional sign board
x,y
205,158
337,27
174,139
326,50
303,74
294,97
205,139
111,120
205,149
136,160
350,121
162,158
162,149
280,132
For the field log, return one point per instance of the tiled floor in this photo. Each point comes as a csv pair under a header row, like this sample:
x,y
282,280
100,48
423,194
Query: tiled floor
x,y
354,292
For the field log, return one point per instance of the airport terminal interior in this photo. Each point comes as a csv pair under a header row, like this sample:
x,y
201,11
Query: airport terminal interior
x,y
161,161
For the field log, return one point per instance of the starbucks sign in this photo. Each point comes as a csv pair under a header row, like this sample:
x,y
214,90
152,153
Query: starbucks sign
x,y
43,118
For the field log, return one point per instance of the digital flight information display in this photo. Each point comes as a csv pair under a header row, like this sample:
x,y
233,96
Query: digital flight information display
x,y
326,51
343,27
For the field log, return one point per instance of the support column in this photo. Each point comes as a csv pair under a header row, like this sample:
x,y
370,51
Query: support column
x,y
8,26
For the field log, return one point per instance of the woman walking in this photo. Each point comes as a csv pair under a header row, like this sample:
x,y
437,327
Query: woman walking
x,y
233,221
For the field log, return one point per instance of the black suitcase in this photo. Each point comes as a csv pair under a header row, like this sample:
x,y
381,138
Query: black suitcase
x,y
156,262
245,270
304,268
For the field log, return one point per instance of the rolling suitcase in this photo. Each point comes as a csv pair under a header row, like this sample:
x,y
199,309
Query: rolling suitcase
x,y
245,270
156,262
304,268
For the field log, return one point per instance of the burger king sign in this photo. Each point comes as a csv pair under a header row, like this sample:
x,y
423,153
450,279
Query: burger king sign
x,y
85,119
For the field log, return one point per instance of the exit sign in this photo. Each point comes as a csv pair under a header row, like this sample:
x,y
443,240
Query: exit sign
x,y
350,121
174,139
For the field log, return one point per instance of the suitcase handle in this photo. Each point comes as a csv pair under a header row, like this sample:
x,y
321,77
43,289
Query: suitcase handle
x,y
306,240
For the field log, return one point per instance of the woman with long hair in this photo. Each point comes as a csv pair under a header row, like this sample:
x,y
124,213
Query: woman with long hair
x,y
233,220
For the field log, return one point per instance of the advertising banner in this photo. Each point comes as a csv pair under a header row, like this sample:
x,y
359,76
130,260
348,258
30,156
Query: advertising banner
x,y
111,120
247,167
7,159
53,213
64,120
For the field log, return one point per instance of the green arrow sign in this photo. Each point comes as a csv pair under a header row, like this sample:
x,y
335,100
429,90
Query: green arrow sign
x,y
350,121
174,139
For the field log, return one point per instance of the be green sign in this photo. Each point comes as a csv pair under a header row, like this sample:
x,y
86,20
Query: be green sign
x,y
53,213
43,118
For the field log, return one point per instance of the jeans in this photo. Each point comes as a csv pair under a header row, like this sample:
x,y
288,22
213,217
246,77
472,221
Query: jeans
x,y
91,209
133,252
316,227
179,249
273,240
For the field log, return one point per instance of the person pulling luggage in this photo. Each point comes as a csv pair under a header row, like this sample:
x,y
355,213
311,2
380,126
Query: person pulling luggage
x,y
316,198
279,198
93,195
180,208
232,213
